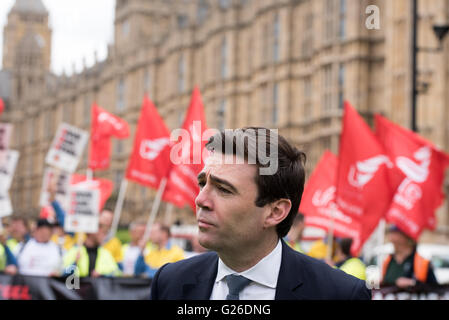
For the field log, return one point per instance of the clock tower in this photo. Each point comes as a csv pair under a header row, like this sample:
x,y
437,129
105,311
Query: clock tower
x,y
27,45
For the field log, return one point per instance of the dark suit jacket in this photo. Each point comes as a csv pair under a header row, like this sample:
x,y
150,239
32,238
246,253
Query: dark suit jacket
x,y
300,277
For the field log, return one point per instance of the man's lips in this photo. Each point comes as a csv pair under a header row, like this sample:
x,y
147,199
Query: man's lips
x,y
204,223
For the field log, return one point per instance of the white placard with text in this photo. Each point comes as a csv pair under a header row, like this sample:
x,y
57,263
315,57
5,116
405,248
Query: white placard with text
x,y
67,147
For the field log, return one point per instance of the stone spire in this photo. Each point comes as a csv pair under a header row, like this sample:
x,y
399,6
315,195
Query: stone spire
x,y
29,6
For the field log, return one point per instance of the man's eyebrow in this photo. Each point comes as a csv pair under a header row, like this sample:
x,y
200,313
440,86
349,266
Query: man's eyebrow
x,y
224,182
201,176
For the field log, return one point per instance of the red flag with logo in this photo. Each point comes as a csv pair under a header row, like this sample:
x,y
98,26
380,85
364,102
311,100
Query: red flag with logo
x,y
2,106
419,174
187,154
104,126
150,158
363,187
105,186
318,203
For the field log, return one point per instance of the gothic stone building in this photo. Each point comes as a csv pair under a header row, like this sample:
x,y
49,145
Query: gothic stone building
x,y
285,64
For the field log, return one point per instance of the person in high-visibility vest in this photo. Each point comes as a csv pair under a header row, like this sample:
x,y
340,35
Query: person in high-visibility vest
x,y
319,249
19,233
110,242
405,267
8,263
67,240
294,236
162,251
346,262
90,259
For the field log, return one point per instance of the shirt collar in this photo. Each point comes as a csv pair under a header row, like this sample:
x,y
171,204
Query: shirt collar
x,y
265,272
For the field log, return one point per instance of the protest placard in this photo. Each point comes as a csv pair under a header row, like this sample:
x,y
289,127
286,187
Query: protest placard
x,y
67,147
5,204
7,170
84,211
61,181
5,137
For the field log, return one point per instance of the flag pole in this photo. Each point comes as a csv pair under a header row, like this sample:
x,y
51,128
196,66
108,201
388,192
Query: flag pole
x,y
168,213
89,174
118,208
330,235
154,209
380,239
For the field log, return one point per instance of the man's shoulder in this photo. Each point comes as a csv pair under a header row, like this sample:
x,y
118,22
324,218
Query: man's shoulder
x,y
113,242
325,282
172,277
194,263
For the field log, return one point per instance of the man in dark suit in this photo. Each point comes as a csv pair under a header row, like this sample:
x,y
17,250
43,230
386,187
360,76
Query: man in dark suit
x,y
250,190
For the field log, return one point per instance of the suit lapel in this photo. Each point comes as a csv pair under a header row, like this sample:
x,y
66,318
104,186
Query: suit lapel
x,y
290,276
199,285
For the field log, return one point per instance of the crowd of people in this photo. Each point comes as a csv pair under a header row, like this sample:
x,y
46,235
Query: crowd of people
x,y
43,248
404,268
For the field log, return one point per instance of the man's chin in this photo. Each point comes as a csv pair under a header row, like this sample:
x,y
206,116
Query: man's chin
x,y
205,241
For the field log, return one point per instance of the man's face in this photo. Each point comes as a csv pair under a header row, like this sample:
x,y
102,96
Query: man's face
x,y
398,239
227,216
105,220
43,234
17,229
155,234
94,239
136,233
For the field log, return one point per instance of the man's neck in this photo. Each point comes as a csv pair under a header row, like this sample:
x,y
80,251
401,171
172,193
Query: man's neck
x,y
245,258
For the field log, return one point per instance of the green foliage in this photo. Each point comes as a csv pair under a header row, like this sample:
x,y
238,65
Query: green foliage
x,y
123,235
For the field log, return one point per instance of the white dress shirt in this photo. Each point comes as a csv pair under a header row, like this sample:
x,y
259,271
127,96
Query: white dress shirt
x,y
264,277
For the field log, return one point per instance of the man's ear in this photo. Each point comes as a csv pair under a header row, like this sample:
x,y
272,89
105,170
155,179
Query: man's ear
x,y
279,210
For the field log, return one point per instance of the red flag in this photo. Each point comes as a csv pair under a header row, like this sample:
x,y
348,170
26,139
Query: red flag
x,y
48,213
419,174
104,126
363,187
150,159
2,106
182,185
318,203
104,185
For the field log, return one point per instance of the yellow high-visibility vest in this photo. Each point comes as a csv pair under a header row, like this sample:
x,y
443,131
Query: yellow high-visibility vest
x,y
355,267
2,258
104,265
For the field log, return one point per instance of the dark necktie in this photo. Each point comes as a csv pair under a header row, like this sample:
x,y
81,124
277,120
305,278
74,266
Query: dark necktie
x,y
235,284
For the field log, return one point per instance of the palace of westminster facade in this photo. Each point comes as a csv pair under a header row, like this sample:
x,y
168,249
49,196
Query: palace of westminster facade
x,y
285,64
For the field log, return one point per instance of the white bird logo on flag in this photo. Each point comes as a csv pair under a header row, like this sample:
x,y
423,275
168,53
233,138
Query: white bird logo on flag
x,y
150,149
363,171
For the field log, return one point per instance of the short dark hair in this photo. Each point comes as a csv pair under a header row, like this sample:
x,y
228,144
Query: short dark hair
x,y
40,223
345,246
107,209
287,182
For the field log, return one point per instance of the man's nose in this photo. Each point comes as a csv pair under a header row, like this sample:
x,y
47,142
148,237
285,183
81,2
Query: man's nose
x,y
203,200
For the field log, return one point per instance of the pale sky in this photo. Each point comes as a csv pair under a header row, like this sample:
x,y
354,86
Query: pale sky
x,y
80,27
